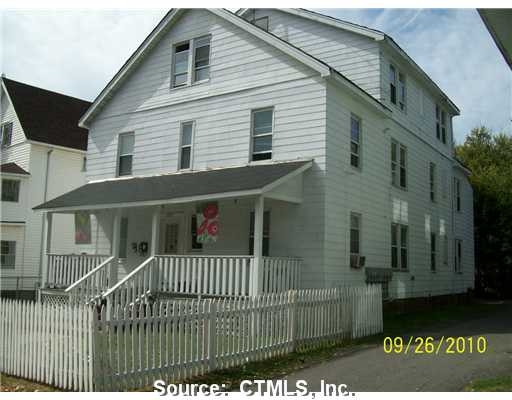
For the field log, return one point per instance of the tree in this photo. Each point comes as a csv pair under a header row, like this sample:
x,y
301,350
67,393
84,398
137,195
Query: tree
x,y
489,157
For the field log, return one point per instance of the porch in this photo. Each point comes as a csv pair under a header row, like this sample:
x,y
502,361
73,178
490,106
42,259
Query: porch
x,y
141,252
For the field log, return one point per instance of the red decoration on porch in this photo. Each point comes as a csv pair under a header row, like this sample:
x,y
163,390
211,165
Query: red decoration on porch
x,y
202,227
213,228
210,211
208,224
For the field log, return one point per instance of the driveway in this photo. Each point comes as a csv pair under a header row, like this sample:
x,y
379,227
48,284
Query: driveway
x,y
373,370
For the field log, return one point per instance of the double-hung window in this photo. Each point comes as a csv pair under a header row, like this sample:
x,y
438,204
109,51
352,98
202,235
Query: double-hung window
x,y
10,190
399,246
398,164
191,61
433,251
432,179
401,91
6,138
187,133
458,255
125,158
440,124
7,254
456,189
262,130
355,239
355,141
392,84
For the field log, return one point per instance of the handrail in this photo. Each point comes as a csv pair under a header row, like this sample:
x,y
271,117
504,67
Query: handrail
x,y
202,256
92,272
128,277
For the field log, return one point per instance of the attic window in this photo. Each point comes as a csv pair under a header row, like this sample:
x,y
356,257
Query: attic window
x,y
6,132
191,66
261,22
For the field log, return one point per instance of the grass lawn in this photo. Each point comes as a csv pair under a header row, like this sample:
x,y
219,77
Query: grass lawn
x,y
503,384
13,384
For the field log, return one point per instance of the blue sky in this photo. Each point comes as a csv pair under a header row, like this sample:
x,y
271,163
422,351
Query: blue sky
x,y
77,52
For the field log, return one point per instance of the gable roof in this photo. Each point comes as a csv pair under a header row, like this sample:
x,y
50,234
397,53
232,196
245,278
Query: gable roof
x,y
164,25
368,32
12,168
47,116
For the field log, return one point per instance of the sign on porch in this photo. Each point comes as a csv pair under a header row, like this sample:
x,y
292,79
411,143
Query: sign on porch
x,y
208,223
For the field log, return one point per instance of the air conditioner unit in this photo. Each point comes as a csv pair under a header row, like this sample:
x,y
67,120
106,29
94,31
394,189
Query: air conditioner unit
x,y
357,261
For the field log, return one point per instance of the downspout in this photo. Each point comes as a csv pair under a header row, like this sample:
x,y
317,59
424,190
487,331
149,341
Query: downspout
x,y
43,225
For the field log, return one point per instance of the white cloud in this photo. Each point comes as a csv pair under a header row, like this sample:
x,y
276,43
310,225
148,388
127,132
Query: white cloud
x,y
78,51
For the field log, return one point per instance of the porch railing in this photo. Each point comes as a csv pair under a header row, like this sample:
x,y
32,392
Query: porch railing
x,y
65,269
280,274
93,284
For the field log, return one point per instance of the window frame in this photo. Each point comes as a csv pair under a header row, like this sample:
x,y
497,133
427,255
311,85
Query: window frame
x,y
401,246
266,233
271,134
402,91
396,165
191,61
9,266
119,155
17,192
457,257
457,194
182,146
432,171
358,144
433,251
392,84
3,143
359,231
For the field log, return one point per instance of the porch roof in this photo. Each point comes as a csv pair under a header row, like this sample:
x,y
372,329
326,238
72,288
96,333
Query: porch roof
x,y
180,187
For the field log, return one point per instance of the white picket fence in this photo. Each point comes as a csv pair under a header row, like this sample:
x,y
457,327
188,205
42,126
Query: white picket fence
x,y
48,344
74,347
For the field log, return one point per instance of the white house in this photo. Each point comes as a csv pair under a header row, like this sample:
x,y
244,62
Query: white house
x,y
320,152
42,156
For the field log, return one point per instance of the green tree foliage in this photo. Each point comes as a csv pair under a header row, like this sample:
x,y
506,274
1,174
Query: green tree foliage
x,y
489,157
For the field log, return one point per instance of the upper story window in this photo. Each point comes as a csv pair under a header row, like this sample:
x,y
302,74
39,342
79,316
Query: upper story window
x,y
10,190
125,158
84,164
399,246
6,134
398,164
7,254
187,131
456,189
432,179
355,240
191,66
440,124
397,87
401,91
261,132
433,251
392,84
355,141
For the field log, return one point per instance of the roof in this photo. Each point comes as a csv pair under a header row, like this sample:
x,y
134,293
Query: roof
x,y
497,22
46,116
365,31
318,65
177,187
12,168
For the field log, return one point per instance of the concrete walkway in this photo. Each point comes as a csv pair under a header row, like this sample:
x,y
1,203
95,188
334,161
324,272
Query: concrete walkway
x,y
373,370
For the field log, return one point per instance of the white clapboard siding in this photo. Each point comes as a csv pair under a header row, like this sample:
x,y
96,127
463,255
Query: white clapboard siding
x,y
47,344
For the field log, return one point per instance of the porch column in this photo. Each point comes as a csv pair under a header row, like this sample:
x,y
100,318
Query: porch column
x,y
47,246
155,231
114,246
257,276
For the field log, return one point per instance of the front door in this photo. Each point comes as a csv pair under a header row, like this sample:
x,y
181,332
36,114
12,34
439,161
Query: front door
x,y
170,242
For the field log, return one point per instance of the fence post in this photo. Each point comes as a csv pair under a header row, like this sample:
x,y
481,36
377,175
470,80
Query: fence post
x,y
97,373
292,301
212,336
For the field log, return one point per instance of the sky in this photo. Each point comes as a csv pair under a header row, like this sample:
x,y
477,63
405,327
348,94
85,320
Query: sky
x,y
76,52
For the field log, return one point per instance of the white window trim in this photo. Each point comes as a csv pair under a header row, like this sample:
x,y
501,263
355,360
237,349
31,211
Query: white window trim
x,y
118,161
360,230
399,247
7,178
271,134
402,105
398,165
181,146
432,178
435,252
10,266
457,198
191,61
393,82
359,144
2,127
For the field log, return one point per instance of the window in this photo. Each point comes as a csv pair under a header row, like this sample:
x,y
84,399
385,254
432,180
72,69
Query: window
x,y
7,254
445,249
195,245
398,164
399,246
432,176
355,141
456,184
187,131
10,190
6,134
202,58
458,255
440,124
392,84
180,64
262,127
84,164
261,22
433,251
401,91
186,71
123,238
126,141
266,233
355,239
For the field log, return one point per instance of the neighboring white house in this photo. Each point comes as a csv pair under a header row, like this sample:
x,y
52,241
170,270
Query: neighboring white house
x,y
42,156
322,145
